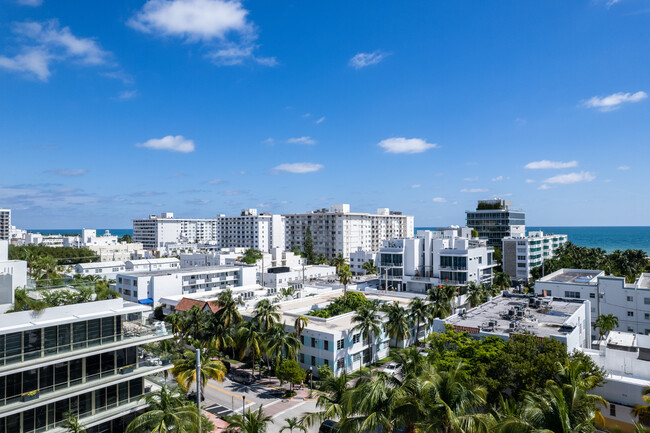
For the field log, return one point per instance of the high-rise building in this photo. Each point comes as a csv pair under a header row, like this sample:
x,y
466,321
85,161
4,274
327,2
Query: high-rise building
x,y
495,220
248,230
520,254
88,359
337,230
5,224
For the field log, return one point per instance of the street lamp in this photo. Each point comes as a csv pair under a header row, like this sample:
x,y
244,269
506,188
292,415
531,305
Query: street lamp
x,y
311,377
243,407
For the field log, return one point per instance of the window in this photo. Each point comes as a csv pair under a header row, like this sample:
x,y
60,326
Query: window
x,y
592,295
612,409
326,362
571,294
302,339
302,358
647,316
340,363
326,345
356,338
630,314
313,360
630,298
313,342
339,344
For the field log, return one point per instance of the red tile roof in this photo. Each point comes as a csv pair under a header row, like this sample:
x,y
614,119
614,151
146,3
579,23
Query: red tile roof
x,y
186,304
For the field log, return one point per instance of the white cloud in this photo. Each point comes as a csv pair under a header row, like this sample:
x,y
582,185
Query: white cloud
x,y
301,140
583,176
405,145
546,164
176,143
623,167
320,120
68,172
299,167
361,60
221,25
473,190
44,43
470,179
497,179
214,181
615,100
544,186
197,201
439,200
530,181
415,186
127,94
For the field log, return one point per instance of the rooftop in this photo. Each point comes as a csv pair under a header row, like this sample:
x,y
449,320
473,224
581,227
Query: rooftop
x,y
100,264
573,276
183,271
520,314
643,282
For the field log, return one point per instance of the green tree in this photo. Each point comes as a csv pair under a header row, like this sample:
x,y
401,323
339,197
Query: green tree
x,y
339,261
281,343
501,280
441,299
309,247
300,323
370,267
474,233
398,325
368,323
251,341
251,256
266,315
605,323
321,260
185,369
642,411
324,372
418,313
290,371
345,277
293,424
329,401
126,239
476,294
229,311
71,423
251,422
166,411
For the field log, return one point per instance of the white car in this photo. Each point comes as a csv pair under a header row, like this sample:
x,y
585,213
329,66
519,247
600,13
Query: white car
x,y
391,368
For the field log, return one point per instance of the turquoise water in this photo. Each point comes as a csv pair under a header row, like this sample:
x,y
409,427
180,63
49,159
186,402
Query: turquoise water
x,y
607,238
114,232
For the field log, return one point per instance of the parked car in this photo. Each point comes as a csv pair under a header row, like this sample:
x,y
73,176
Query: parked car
x,y
328,426
392,368
242,377
192,396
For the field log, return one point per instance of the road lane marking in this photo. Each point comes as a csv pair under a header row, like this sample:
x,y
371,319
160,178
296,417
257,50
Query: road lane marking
x,y
287,410
230,393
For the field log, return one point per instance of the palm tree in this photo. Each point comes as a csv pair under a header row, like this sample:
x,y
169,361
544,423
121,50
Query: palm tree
x,y
321,260
369,406
370,267
251,422
71,423
185,369
605,323
229,312
398,325
250,340
329,400
502,280
266,315
220,337
345,277
339,261
369,324
300,323
293,424
642,411
475,293
167,411
441,299
46,268
418,312
282,343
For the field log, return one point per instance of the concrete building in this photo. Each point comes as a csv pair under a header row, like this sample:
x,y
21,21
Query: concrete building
x,y
5,224
85,358
230,256
283,276
108,270
626,359
338,230
247,230
565,320
150,265
359,257
520,253
495,220
448,256
149,287
629,302
13,275
119,252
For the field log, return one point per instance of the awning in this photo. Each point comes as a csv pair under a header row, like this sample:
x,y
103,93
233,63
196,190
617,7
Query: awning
x,y
146,301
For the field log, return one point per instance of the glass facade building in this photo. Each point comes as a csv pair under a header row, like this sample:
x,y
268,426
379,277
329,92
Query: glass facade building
x,y
495,220
85,359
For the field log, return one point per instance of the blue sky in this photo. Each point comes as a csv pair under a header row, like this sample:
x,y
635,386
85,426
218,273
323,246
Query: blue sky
x,y
117,110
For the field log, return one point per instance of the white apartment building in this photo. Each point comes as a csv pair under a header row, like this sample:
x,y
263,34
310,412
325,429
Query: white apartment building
x,y
629,302
87,358
150,265
108,270
248,230
283,276
13,275
150,286
626,359
230,256
119,252
565,320
5,224
447,256
338,230
520,253
359,257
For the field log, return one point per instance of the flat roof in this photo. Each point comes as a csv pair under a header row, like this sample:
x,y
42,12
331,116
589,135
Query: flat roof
x,y
100,264
497,315
573,276
644,281
184,271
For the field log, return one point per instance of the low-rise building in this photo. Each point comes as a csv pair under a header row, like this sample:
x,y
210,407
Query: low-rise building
x,y
520,253
149,286
85,358
13,275
629,302
150,265
359,257
283,276
562,319
109,270
119,252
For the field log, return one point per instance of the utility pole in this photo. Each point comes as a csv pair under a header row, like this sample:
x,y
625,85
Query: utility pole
x,y
386,282
243,407
262,269
198,384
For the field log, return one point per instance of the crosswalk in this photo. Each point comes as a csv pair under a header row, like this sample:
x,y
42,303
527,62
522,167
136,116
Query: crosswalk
x,y
218,410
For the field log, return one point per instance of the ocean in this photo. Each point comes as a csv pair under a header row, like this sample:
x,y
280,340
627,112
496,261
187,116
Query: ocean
x,y
607,238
